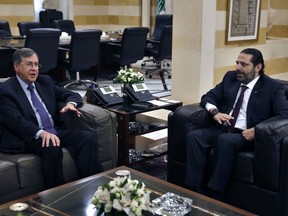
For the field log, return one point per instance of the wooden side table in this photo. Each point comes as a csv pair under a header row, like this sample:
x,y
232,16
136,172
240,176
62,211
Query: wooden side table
x,y
125,114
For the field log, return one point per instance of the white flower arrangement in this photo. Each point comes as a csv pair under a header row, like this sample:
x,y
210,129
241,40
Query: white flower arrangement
x,y
129,75
122,195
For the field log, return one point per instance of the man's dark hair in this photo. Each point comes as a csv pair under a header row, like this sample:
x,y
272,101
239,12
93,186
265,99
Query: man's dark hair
x,y
257,58
19,54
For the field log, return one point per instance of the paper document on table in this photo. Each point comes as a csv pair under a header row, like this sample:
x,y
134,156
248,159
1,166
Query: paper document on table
x,y
168,100
65,39
156,135
158,103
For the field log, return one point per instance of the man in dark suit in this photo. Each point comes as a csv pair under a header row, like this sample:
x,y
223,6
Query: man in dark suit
x,y
262,98
25,130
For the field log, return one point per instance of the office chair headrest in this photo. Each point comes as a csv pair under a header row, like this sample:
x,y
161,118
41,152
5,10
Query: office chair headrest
x,y
64,22
165,18
4,25
136,30
24,26
28,23
87,33
4,22
4,34
43,32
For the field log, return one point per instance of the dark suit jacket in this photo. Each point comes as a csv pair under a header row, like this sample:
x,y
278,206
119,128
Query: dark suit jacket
x,y
267,98
18,120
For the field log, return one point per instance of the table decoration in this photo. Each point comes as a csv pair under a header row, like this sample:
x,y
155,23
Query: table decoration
x,y
122,196
123,173
17,207
127,76
172,204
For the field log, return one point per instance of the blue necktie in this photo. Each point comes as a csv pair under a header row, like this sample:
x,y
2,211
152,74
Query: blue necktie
x,y
47,125
238,105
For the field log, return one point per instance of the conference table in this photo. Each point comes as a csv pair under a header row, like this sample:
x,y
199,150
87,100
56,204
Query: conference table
x,y
8,46
18,41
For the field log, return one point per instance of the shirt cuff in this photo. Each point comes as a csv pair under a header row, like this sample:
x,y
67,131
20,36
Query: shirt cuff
x,y
209,106
38,134
74,103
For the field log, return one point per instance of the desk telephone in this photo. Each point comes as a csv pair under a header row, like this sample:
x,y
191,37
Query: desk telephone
x,y
139,92
107,95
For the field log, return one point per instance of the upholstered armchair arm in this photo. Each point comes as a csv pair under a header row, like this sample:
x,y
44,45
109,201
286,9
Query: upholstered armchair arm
x,y
103,124
271,153
182,120
189,117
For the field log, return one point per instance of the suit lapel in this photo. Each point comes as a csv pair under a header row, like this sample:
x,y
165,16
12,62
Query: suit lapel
x,y
253,98
23,98
234,90
45,99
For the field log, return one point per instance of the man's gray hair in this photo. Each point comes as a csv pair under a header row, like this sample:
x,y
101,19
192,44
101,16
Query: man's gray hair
x,y
19,54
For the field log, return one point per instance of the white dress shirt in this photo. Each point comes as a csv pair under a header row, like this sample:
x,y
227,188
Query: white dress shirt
x,y
241,122
28,94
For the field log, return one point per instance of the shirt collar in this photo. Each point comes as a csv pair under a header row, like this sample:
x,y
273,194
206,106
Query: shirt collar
x,y
252,83
23,84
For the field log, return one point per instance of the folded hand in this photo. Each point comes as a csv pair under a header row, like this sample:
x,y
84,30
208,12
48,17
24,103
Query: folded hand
x,y
49,137
222,118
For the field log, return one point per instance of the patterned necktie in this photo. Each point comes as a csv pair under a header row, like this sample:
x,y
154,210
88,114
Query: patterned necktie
x,y
46,123
238,105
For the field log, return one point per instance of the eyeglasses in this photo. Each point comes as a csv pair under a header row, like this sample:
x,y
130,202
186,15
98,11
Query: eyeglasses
x,y
30,65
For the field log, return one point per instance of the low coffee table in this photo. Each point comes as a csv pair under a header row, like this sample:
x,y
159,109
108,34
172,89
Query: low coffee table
x,y
74,198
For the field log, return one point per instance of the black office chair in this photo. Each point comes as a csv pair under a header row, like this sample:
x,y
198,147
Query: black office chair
x,y
5,28
65,26
45,42
4,34
24,26
161,20
46,17
132,46
83,54
161,50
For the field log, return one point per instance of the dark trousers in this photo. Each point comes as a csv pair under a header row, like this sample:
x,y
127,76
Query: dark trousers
x,y
82,148
226,145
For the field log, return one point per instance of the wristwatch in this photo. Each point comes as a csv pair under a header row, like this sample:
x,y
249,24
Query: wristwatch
x,y
213,111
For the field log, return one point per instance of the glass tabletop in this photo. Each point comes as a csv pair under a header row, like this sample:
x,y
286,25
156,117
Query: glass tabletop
x,y
129,108
74,198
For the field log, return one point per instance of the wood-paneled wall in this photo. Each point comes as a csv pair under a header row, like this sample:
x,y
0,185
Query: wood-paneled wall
x,y
16,11
274,50
107,14
278,18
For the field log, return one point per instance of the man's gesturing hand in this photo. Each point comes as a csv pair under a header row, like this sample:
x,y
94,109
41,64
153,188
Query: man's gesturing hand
x,y
70,107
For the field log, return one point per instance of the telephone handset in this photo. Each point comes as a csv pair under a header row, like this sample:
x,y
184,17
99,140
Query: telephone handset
x,y
107,95
139,92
